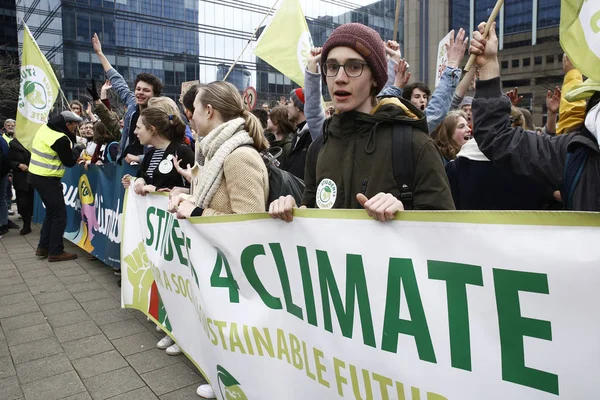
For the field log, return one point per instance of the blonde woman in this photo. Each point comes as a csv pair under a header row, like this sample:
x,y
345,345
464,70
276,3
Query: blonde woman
x,y
230,176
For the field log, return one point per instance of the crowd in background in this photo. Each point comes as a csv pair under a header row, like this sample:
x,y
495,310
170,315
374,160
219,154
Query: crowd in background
x,y
383,143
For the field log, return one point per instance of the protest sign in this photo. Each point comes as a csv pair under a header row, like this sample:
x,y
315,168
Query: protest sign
x,y
442,57
433,305
250,97
94,200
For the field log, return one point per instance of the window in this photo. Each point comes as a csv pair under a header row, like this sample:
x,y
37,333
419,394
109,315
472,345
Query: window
x,y
548,13
537,60
550,59
504,64
517,16
459,15
526,62
83,27
515,63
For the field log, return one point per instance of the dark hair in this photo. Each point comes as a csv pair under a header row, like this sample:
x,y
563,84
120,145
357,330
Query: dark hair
x,y
408,90
78,103
225,98
162,113
279,117
528,124
151,80
262,116
189,97
101,134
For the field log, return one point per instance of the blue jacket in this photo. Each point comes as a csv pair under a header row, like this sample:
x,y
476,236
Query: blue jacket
x,y
127,97
441,99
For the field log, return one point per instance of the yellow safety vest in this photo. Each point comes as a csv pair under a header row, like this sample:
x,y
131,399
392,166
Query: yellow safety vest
x,y
44,160
7,138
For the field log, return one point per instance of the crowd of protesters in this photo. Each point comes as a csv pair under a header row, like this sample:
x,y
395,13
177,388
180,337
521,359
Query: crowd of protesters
x,y
382,144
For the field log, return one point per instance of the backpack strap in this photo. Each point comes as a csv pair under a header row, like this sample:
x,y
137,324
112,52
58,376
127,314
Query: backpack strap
x,y
402,162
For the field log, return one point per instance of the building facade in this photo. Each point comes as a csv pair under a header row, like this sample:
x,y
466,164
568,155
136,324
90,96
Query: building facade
x,y
528,32
179,40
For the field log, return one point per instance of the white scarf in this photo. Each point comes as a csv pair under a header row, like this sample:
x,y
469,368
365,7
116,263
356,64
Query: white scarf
x,y
592,122
471,151
216,146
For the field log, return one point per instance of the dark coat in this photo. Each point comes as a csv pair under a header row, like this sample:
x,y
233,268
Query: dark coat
x,y
18,154
540,158
357,156
296,159
480,185
172,178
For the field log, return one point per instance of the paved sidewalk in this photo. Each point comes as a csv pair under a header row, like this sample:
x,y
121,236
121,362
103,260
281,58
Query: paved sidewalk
x,y
64,336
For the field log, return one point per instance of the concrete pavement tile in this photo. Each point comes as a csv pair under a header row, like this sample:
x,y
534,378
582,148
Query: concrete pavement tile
x,y
13,289
44,367
113,383
87,347
99,364
36,272
22,321
79,396
41,280
76,331
171,378
11,281
100,305
68,318
90,295
19,309
70,271
135,343
7,265
48,288
47,298
30,264
10,388
4,352
143,393
6,368
83,286
110,316
60,307
58,266
15,298
186,393
99,271
67,280
123,328
35,350
151,360
28,334
55,387
14,250
11,273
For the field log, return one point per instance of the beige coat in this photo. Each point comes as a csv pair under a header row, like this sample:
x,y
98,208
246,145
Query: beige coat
x,y
244,188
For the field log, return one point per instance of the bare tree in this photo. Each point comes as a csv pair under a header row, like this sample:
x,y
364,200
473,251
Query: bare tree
x,y
9,86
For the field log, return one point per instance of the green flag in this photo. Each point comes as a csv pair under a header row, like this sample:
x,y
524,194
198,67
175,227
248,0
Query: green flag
x,y
39,89
285,44
580,34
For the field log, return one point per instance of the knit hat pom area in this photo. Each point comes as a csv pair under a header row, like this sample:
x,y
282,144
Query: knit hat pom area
x,y
366,42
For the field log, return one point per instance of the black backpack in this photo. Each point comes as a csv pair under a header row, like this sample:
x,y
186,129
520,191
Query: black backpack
x,y
281,183
402,160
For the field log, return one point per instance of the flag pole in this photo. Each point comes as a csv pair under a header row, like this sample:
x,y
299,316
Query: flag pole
x,y
486,32
250,40
396,20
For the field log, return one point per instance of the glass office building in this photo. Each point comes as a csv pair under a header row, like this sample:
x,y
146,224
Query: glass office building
x,y
179,40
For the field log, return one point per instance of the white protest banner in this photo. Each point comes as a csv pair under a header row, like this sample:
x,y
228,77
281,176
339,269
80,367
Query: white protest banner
x,y
442,57
432,305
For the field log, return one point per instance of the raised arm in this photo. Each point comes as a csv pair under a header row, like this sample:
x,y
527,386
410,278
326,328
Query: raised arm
x,y
116,79
313,109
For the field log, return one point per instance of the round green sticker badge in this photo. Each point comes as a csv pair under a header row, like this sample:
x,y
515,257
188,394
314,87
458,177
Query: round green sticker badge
x,y
326,194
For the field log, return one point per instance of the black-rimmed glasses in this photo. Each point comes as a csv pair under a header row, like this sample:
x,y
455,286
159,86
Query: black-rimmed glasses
x,y
353,68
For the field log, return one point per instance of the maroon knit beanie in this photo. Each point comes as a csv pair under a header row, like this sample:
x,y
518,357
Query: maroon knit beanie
x,y
366,42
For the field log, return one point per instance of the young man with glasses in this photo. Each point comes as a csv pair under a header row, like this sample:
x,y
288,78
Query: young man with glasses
x,y
352,163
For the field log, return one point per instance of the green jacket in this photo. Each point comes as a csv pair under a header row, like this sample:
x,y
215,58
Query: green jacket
x,y
286,145
357,156
110,120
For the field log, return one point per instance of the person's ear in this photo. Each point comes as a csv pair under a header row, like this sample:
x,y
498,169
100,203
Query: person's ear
x,y
210,112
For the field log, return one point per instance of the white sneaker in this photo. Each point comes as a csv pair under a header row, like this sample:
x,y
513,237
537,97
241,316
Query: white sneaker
x,y
165,342
148,319
158,328
206,392
173,350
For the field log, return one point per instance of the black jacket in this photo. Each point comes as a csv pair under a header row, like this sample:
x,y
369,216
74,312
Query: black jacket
x,y
18,154
296,159
172,177
540,158
481,185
